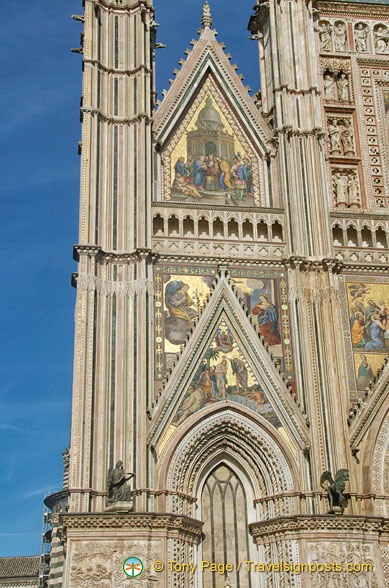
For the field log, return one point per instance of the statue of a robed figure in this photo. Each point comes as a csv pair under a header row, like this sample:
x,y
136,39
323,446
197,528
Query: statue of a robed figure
x,y
117,487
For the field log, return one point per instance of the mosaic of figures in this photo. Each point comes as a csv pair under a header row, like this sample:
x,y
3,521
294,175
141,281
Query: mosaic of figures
x,y
225,374
367,305
209,160
181,292
368,37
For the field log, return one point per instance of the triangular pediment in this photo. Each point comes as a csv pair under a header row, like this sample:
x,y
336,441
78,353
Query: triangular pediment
x,y
209,114
225,374
225,361
208,59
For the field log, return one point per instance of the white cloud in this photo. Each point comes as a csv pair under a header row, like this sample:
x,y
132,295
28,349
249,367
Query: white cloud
x,y
32,493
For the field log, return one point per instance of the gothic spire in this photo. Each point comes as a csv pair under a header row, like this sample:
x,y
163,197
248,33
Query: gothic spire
x,y
206,20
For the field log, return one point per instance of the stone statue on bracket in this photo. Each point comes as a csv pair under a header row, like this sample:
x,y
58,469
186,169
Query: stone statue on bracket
x,y
340,188
329,87
325,34
335,489
348,141
354,197
340,36
334,134
343,88
361,32
381,40
117,488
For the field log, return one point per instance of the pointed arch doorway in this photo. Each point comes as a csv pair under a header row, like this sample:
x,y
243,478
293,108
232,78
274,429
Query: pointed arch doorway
x,y
224,512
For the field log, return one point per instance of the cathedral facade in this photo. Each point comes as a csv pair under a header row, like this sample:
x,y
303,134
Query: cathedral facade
x,y
230,421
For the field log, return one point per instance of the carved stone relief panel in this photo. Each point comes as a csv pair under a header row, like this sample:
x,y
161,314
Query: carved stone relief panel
x,y
371,38
341,135
346,188
337,82
331,559
333,36
101,564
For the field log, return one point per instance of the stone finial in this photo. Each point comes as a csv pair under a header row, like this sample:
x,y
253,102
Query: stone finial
x,y
206,20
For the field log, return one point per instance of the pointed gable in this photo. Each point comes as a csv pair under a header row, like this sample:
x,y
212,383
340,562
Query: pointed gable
x,y
226,362
206,125
224,373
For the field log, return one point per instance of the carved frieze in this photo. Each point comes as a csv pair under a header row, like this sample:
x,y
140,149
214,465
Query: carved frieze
x,y
343,554
101,563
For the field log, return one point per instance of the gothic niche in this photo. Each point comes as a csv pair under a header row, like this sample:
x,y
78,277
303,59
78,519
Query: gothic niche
x,y
361,35
336,86
340,36
325,34
341,137
347,192
381,39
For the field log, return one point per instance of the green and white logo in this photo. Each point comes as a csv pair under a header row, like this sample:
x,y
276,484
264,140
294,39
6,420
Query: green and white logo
x,y
133,567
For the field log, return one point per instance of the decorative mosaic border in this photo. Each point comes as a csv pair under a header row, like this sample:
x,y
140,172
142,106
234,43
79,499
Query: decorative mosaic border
x,y
372,110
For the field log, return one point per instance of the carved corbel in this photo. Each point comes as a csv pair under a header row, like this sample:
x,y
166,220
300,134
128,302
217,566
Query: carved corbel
x,y
295,262
333,265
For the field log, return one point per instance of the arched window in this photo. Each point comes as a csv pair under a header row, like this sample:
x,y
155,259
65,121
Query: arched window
x,y
366,237
247,229
203,227
337,235
225,529
158,225
188,227
218,228
233,229
381,238
173,227
210,148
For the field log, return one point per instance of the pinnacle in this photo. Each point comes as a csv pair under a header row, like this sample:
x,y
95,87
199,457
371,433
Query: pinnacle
x,y
206,19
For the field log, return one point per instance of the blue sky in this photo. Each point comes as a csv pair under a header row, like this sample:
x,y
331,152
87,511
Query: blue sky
x,y
39,191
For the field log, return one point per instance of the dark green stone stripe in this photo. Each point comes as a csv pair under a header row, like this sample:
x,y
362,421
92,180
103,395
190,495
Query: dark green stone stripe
x,y
116,42
116,97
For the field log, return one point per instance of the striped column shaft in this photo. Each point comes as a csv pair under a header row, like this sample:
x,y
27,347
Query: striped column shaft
x,y
57,557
